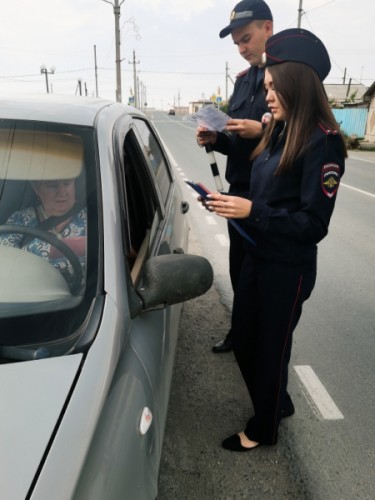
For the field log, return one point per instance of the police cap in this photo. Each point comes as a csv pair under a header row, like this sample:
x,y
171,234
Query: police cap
x,y
298,45
244,13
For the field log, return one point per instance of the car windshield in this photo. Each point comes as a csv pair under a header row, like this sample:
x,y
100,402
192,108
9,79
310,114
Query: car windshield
x,y
48,230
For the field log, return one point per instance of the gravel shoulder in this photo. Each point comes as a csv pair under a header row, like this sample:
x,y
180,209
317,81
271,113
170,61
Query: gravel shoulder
x,y
208,402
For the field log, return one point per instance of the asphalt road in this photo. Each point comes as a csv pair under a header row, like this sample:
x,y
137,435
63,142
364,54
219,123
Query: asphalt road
x,y
327,449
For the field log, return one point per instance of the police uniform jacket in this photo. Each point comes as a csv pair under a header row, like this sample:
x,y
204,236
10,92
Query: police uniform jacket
x,y
291,211
247,102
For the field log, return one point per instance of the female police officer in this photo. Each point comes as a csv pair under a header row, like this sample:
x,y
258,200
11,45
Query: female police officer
x,y
294,183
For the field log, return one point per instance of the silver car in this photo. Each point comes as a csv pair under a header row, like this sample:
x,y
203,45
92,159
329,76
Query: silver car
x,y
93,272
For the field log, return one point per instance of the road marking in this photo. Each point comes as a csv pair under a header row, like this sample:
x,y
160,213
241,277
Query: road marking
x,y
358,190
222,239
360,159
170,156
211,221
318,393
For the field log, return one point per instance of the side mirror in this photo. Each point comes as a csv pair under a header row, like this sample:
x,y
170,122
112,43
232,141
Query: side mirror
x,y
174,278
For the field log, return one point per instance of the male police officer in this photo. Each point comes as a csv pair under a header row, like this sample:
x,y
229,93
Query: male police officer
x,y
250,26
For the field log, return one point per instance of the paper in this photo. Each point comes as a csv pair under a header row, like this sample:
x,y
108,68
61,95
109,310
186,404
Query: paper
x,y
210,118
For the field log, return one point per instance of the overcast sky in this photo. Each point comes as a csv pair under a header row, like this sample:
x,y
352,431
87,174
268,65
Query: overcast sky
x,y
176,42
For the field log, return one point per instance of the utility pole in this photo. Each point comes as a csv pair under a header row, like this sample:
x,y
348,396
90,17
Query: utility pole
x,y
44,71
116,9
227,77
226,81
96,73
136,93
349,84
300,13
143,99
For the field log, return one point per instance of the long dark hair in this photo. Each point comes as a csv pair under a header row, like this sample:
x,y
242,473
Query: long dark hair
x,y
303,96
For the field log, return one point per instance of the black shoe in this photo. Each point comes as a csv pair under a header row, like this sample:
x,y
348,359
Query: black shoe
x,y
233,443
288,412
225,345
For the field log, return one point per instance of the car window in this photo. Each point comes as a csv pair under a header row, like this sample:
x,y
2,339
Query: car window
x,y
155,157
141,207
48,207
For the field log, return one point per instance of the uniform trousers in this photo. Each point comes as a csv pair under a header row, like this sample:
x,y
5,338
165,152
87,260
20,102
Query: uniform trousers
x,y
237,254
237,250
267,307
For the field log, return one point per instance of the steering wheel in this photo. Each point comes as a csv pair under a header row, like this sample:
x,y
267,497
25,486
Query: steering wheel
x,y
50,238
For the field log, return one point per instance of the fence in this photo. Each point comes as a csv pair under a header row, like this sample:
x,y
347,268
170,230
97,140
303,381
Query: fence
x,y
352,120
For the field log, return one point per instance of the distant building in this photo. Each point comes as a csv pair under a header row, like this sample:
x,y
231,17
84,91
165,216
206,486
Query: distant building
x,y
195,106
182,110
340,94
369,98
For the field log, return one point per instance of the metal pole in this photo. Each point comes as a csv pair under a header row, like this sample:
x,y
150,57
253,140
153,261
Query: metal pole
x,y
45,71
136,93
96,73
46,74
116,10
300,10
226,81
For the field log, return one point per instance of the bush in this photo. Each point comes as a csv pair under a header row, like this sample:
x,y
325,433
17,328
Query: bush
x,y
352,142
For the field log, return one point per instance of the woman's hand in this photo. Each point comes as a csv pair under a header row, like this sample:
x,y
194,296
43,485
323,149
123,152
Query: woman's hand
x,y
247,129
230,207
205,136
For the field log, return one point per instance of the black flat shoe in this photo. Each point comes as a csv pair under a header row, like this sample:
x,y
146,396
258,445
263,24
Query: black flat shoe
x,y
233,443
287,412
225,345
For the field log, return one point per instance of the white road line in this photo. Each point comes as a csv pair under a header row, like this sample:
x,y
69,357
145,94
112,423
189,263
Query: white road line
x,y
360,159
211,221
318,393
358,190
169,154
222,239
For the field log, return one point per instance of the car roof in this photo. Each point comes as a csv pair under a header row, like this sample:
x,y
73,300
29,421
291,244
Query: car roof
x,y
76,110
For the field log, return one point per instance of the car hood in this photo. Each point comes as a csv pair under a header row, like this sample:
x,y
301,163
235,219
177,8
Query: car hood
x,y
32,397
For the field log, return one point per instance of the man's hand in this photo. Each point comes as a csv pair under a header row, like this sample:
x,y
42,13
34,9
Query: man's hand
x,y
205,136
247,129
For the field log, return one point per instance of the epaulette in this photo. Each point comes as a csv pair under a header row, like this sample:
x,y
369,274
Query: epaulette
x,y
328,131
243,73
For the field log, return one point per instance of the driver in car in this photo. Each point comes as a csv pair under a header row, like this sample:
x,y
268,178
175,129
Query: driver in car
x,y
55,210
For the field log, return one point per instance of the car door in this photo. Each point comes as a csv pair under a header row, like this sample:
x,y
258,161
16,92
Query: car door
x,y
124,456
160,229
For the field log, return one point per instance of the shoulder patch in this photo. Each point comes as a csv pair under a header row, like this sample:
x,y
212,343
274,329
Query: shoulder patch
x,y
243,73
328,131
330,179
